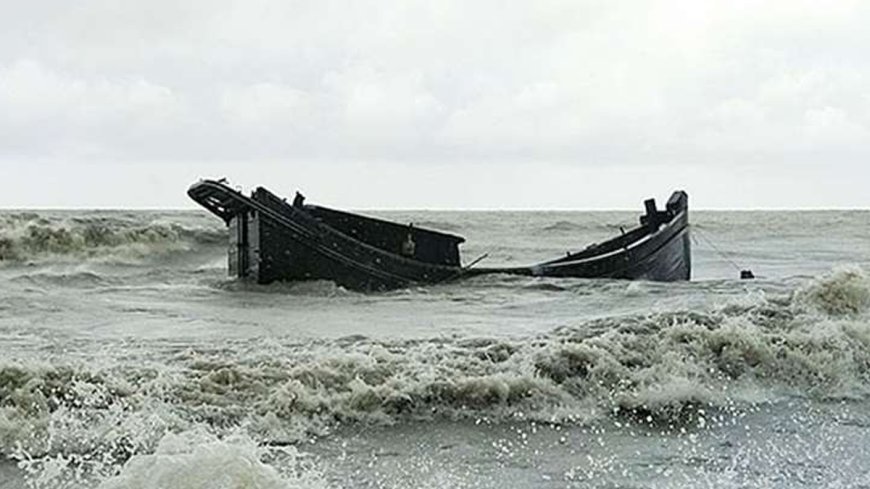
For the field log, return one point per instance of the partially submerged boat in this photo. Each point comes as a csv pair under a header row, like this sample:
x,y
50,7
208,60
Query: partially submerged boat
x,y
271,239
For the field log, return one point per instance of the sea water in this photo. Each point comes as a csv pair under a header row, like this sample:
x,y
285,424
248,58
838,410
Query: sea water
x,y
128,359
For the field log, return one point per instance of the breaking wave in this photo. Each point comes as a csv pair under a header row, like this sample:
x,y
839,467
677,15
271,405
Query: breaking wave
x,y
28,237
845,291
191,460
657,368
145,415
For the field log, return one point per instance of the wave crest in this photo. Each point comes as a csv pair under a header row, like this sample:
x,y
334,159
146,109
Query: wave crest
x,y
669,368
30,236
663,367
844,291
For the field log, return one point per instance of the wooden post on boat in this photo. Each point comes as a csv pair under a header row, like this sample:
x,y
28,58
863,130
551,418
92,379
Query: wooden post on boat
x,y
652,213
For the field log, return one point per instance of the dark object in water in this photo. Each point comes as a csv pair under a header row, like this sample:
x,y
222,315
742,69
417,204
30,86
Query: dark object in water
x,y
271,240
746,274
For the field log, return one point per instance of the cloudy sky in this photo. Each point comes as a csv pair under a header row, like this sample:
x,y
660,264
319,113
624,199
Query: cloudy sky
x,y
437,103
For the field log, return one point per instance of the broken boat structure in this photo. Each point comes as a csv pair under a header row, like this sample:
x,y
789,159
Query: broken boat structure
x,y
271,239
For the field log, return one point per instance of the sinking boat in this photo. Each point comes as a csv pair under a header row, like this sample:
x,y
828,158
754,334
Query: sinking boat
x,y
271,239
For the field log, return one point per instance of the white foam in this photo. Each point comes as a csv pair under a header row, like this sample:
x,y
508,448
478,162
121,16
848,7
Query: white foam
x,y
663,365
197,459
844,291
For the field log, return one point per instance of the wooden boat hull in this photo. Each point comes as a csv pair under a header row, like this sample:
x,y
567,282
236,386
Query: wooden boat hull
x,y
271,240
662,254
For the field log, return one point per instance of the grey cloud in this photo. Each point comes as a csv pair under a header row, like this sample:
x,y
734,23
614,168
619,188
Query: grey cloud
x,y
587,83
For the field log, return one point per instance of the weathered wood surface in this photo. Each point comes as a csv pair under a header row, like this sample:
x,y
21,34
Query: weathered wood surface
x,y
271,240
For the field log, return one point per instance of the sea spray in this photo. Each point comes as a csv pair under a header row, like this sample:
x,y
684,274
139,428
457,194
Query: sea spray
x,y
662,366
199,460
189,459
844,291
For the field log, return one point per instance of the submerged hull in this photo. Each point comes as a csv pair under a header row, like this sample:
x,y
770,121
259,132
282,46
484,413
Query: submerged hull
x,y
659,251
270,239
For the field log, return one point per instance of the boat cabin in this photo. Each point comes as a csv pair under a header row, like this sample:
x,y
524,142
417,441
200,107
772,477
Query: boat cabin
x,y
253,251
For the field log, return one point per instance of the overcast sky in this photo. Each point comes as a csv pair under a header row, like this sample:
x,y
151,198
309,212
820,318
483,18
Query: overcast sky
x,y
437,104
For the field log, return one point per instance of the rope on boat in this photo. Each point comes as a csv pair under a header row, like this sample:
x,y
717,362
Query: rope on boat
x,y
696,232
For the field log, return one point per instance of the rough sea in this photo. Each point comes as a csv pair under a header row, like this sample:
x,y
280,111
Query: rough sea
x,y
128,359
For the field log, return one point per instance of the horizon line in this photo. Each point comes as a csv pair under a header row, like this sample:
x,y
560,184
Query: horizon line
x,y
452,209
